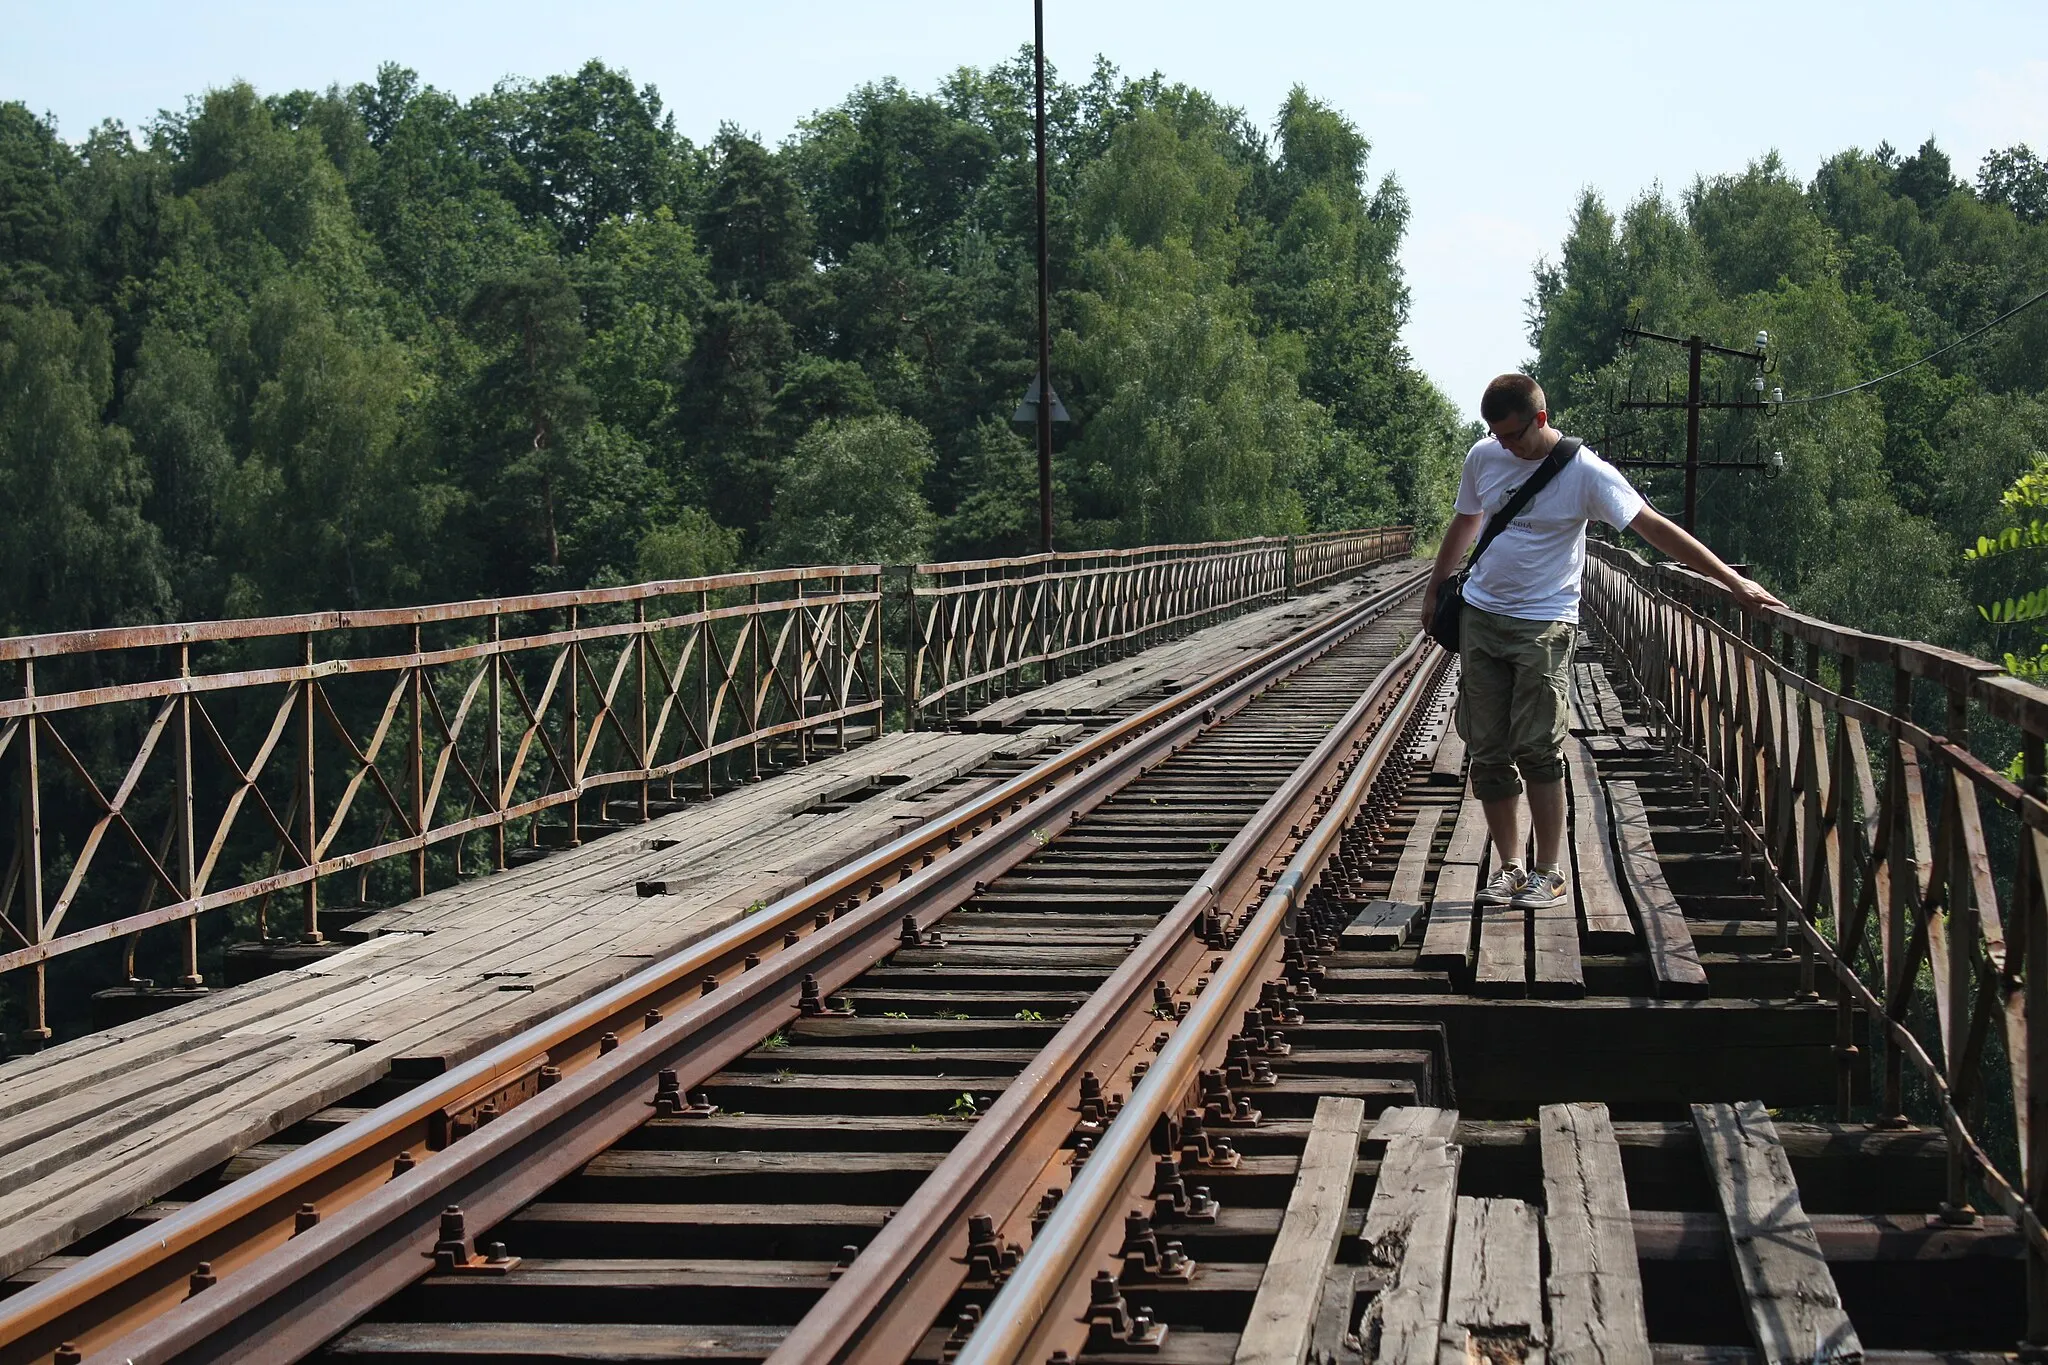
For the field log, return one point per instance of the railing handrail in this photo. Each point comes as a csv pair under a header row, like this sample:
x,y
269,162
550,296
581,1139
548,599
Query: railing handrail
x,y
2006,697
59,643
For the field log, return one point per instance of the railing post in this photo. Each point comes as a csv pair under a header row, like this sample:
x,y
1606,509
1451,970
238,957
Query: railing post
x,y
1847,1055
707,637
38,1031
1954,850
2031,907
1899,903
640,693
573,666
418,759
187,866
497,738
309,820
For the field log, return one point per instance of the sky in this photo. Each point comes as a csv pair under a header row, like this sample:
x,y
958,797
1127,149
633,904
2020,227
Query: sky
x,y
1493,117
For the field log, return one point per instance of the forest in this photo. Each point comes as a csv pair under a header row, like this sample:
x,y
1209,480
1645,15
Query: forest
x,y
379,345
1878,261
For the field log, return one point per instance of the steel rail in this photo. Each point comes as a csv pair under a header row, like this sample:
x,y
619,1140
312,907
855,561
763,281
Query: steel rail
x,y
1029,1315
881,1307
356,1256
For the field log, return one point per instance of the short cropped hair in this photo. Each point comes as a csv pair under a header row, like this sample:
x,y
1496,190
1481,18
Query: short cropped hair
x,y
1512,395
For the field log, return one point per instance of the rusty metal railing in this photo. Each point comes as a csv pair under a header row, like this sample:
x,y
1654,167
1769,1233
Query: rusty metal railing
x,y
1865,779
980,628
163,772
155,775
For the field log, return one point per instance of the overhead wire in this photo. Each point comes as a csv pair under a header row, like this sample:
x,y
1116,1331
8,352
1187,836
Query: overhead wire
x,y
1837,393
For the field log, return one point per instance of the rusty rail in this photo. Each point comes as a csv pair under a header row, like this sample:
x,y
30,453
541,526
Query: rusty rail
x,y
1040,1307
1864,777
978,628
596,1066
295,769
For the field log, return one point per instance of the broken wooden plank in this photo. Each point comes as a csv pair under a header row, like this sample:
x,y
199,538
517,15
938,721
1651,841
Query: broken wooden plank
x,y
1493,1313
1447,941
1284,1311
1411,1120
1556,969
1674,960
1407,1246
1503,963
1595,1289
1414,862
1794,1308
1381,927
1602,909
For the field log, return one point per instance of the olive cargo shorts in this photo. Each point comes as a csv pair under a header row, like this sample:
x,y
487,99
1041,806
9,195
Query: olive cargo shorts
x,y
1511,699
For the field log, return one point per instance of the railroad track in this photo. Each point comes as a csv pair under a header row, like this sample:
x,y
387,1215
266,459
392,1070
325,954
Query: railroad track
x,y
828,1132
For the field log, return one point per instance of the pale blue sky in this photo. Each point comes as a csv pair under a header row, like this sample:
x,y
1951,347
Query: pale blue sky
x,y
1492,115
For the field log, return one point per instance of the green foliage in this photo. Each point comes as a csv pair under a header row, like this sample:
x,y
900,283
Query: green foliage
x,y
1878,519
375,344
851,493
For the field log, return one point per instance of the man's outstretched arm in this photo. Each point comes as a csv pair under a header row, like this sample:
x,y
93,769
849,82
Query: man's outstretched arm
x,y
1679,543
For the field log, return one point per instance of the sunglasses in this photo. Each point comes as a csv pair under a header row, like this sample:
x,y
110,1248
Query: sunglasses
x,y
1516,438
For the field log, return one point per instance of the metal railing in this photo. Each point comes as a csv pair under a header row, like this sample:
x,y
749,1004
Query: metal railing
x,y
980,628
291,770
162,772
1865,779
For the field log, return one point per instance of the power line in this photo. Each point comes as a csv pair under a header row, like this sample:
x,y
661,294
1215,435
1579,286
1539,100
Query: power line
x,y
1837,393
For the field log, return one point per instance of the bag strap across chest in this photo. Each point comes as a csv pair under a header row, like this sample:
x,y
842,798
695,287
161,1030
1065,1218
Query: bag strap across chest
x,y
1560,455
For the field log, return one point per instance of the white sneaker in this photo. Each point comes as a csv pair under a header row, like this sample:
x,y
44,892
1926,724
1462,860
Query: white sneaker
x,y
1542,891
1507,884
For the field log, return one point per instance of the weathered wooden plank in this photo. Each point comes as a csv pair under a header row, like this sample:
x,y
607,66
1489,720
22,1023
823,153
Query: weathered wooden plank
x,y
1414,861
1408,1120
1585,711
1447,942
1602,909
1503,964
1674,960
1610,701
1794,1309
126,1174
1493,1313
1556,969
1468,836
1283,1313
1407,1245
1595,1288
1380,927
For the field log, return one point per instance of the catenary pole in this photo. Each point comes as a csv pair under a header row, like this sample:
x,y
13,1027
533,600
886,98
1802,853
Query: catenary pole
x,y
1044,299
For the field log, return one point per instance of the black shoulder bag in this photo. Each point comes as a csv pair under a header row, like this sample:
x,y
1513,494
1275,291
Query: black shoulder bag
x,y
1450,598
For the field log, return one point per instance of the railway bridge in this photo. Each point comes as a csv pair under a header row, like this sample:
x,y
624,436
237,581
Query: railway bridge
x,y
1066,958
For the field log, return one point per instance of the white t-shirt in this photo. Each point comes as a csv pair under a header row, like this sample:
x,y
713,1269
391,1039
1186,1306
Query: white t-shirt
x,y
1531,572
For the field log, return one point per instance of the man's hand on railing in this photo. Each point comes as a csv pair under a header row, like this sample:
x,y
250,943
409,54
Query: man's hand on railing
x,y
1751,595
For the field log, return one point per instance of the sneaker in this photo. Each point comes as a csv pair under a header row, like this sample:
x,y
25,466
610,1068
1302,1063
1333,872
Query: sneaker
x,y
1507,884
1542,891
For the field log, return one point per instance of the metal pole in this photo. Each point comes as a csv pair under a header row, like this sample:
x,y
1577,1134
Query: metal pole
x,y
1692,431
1044,300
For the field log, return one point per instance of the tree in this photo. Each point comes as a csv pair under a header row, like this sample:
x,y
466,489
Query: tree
x,y
851,493
75,551
530,401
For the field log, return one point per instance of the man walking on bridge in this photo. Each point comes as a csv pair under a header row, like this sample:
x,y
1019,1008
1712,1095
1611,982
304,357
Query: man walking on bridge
x,y
1520,619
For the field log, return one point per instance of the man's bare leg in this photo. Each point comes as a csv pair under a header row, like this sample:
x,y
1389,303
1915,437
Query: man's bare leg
x,y
1504,823
1546,813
